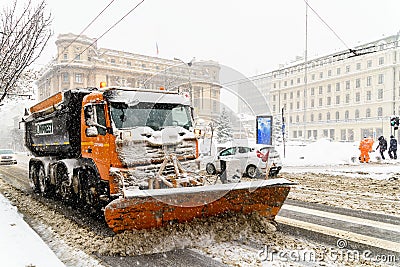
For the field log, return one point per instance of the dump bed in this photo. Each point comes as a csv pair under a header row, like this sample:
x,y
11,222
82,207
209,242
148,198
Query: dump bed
x,y
54,126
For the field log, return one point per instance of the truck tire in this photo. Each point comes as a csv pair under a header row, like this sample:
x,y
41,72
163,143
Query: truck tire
x,y
64,188
33,177
91,188
43,182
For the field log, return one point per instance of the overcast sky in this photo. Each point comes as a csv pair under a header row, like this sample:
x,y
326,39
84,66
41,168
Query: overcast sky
x,y
251,37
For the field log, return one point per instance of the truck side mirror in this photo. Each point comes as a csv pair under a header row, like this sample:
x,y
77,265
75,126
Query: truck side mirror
x,y
90,119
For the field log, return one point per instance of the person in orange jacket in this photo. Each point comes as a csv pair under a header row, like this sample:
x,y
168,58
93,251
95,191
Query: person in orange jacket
x,y
365,147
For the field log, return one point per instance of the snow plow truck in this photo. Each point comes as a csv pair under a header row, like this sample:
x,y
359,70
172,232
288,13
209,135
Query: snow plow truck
x,y
133,154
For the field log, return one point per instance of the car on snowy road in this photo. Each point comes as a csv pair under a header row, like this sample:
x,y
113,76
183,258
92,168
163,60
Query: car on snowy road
x,y
253,162
7,156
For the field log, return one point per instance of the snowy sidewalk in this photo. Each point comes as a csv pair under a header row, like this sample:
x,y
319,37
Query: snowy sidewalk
x,y
20,245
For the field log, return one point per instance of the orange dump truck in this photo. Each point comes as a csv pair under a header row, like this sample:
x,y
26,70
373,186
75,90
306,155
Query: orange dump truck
x,y
132,152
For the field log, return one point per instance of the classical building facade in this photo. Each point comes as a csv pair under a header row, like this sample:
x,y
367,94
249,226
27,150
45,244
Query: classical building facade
x,y
342,96
80,64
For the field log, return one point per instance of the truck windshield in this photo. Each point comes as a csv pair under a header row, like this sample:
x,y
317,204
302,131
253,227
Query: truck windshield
x,y
153,115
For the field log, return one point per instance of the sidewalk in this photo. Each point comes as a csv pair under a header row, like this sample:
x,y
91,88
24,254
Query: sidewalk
x,y
20,245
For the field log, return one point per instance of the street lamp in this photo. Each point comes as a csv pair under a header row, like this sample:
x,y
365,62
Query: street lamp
x,y
188,64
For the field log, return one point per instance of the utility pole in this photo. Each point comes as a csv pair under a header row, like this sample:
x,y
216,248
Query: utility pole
x,y
305,76
283,134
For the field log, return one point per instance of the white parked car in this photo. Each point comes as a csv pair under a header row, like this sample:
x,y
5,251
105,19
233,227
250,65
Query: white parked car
x,y
252,161
7,156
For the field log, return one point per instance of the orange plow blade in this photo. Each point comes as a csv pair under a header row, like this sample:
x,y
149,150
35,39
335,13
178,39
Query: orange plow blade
x,y
142,209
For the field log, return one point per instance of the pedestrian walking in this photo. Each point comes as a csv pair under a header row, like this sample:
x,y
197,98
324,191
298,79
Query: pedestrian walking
x,y
382,145
365,148
393,147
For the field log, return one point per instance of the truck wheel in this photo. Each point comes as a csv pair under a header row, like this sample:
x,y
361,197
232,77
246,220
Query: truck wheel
x,y
63,186
92,195
33,178
43,182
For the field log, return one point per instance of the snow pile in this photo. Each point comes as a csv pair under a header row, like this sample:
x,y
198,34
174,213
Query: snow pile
x,y
17,237
321,152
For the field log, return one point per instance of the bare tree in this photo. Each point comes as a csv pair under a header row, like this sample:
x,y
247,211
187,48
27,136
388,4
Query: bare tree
x,y
23,36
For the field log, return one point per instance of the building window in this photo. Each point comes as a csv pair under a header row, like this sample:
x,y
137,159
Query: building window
x,y
328,116
65,77
321,75
320,90
347,98
347,85
337,87
285,83
291,82
320,116
65,56
284,96
298,93
369,79
320,102
337,99
329,88
273,108
78,78
312,91
291,106
369,63
297,118
380,79
297,105
358,83
337,115
290,119
346,115
357,114
380,93
312,117
128,63
368,113
338,71
358,66
291,95
357,97
329,73
313,77
381,61
368,95
348,68
328,101
274,98
312,103
112,61
380,112
298,80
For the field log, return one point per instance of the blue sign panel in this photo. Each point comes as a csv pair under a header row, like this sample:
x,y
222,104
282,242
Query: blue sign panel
x,y
264,130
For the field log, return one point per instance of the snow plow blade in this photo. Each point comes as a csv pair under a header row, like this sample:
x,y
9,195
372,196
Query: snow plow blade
x,y
143,209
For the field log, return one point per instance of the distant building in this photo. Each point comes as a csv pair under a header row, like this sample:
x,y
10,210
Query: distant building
x,y
80,64
348,94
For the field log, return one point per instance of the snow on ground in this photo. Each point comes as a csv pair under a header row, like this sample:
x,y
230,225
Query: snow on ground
x,y
336,158
20,245
322,156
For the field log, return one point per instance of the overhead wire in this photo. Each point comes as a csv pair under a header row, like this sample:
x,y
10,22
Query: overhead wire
x,y
90,24
108,30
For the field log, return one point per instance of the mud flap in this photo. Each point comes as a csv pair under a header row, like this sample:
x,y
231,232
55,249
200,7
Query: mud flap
x,y
142,209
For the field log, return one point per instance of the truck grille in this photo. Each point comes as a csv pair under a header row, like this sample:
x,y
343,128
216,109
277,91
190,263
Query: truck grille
x,y
139,153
